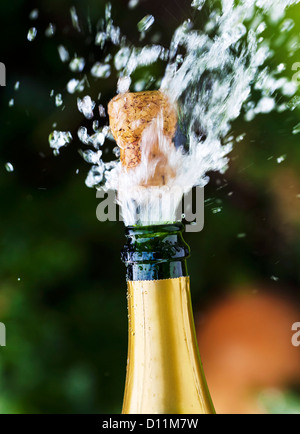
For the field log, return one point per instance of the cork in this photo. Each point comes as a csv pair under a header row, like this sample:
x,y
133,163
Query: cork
x,y
130,114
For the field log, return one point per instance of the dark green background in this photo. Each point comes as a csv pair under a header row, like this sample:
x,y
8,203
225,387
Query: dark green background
x,y
66,317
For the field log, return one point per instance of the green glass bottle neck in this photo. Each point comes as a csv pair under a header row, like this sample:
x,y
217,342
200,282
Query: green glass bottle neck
x,y
155,252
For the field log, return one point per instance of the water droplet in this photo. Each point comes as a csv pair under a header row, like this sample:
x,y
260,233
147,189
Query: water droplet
x,y
289,88
106,131
281,67
63,53
83,135
95,126
58,100
261,28
108,9
34,14
139,85
77,64
281,159
74,85
287,25
241,235
296,129
95,175
100,39
77,171
9,167
17,85
216,210
74,18
294,103
133,3
123,84
281,108
115,35
240,138
145,57
90,156
97,139
86,106
121,58
275,278
58,139
108,58
116,151
198,4
145,23
11,102
50,30
31,35
265,105
102,112
101,70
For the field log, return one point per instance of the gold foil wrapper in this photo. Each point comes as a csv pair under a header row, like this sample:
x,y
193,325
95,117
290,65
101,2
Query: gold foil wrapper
x,y
164,371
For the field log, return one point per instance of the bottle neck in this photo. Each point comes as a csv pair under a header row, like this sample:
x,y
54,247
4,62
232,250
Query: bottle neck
x,y
164,371
155,252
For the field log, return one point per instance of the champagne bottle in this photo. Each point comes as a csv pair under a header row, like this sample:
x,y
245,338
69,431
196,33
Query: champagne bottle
x,y
164,370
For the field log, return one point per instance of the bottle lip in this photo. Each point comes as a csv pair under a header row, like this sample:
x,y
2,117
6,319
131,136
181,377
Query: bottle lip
x,y
154,229
158,251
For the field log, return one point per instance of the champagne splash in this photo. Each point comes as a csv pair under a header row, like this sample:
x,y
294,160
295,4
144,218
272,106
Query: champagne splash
x,y
211,76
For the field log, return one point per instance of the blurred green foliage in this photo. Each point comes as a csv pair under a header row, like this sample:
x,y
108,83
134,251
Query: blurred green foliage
x,y
62,285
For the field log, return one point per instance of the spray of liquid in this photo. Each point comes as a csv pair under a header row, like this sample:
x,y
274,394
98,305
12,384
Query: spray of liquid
x,y
210,76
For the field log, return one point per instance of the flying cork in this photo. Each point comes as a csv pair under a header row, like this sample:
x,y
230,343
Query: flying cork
x,y
130,114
